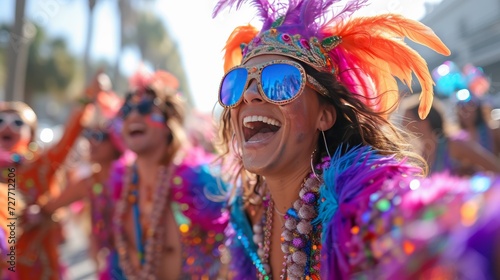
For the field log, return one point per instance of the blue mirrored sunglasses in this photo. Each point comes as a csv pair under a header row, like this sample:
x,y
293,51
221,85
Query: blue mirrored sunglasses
x,y
279,82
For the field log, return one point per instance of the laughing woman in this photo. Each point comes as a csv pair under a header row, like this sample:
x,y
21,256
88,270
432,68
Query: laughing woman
x,y
329,187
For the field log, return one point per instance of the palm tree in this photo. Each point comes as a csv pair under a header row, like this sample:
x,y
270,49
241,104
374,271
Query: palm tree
x,y
17,54
88,41
128,18
159,49
48,72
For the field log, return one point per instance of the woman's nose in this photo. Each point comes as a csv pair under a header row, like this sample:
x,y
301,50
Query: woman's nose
x,y
252,95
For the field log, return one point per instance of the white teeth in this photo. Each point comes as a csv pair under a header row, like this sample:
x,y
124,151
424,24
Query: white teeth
x,y
247,120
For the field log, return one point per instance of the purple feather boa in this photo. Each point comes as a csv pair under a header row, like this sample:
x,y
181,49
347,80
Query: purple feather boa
x,y
349,181
388,223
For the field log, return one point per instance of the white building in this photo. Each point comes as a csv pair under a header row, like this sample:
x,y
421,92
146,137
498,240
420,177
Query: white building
x,y
471,29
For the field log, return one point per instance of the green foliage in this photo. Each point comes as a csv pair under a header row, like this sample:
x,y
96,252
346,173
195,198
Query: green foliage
x,y
51,67
4,42
159,48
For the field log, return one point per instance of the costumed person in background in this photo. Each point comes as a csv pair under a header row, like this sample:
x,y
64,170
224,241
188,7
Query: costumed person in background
x,y
469,88
106,154
444,153
471,113
328,186
37,248
168,222
17,130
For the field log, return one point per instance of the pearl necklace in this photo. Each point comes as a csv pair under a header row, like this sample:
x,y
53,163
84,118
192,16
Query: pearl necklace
x,y
154,234
300,239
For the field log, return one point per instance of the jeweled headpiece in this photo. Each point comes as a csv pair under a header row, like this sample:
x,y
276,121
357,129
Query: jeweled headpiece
x,y
365,54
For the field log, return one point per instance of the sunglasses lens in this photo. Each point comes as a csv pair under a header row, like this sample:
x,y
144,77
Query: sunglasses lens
x,y
145,107
281,82
232,86
125,110
18,123
97,136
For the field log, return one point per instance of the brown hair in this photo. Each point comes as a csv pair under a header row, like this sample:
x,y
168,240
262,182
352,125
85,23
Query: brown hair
x,y
356,124
173,107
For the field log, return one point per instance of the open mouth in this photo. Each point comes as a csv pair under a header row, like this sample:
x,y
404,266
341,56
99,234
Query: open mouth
x,y
136,130
258,128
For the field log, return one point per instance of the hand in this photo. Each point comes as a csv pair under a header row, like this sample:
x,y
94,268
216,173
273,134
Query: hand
x,y
32,217
100,82
109,104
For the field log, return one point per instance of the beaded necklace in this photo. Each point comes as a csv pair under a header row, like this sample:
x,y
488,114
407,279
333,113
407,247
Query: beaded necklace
x,y
301,241
101,209
150,253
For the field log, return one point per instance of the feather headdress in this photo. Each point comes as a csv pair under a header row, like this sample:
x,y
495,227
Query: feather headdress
x,y
365,54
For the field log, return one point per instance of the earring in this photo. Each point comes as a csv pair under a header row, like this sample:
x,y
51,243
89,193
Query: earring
x,y
326,145
312,166
235,149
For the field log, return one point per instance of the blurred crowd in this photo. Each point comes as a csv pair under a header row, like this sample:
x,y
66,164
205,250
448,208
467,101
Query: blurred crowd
x,y
81,176
137,171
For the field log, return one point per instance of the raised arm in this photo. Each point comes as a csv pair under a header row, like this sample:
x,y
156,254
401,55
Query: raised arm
x,y
474,154
70,194
58,152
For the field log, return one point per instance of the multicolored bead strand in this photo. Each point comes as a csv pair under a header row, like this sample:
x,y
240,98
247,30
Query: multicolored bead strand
x,y
154,235
300,239
264,243
298,235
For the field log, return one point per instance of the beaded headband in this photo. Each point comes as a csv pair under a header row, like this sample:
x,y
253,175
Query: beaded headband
x,y
310,51
364,54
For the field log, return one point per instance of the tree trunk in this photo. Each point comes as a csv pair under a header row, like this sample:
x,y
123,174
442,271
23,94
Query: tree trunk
x,y
88,41
17,54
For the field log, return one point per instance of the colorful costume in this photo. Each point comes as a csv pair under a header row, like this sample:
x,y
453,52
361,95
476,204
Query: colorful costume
x,y
376,220
195,194
364,213
37,249
101,214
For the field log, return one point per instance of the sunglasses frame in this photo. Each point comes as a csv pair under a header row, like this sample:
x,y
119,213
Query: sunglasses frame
x,y
12,118
136,107
255,72
91,135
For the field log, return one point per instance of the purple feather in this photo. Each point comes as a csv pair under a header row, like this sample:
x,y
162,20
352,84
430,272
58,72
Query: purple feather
x,y
349,182
304,17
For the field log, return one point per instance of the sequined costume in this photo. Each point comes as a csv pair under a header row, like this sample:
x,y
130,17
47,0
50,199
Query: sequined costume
x,y
196,198
37,249
102,198
378,221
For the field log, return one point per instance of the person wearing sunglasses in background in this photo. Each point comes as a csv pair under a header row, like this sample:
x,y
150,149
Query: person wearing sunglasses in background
x,y
168,220
327,186
17,128
106,154
35,182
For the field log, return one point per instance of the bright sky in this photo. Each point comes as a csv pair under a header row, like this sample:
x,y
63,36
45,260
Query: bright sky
x,y
200,38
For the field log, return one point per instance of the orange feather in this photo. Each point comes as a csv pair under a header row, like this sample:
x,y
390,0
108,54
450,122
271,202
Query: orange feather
x,y
377,44
240,35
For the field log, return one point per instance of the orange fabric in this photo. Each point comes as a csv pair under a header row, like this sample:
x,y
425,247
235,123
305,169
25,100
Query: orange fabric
x,y
37,249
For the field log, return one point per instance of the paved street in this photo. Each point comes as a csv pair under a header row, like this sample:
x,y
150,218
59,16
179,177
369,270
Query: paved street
x,y
74,254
